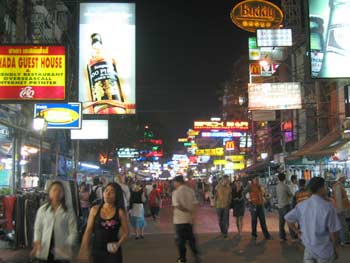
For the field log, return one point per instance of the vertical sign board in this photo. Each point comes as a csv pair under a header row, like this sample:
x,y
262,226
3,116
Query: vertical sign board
x,y
32,73
107,58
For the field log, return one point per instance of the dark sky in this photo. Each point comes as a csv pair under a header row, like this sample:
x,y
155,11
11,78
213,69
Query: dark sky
x,y
185,53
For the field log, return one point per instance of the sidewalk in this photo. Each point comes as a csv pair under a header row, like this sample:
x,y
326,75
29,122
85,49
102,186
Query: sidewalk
x,y
159,245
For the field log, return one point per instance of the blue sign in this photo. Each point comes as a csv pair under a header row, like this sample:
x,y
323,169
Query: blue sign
x,y
60,115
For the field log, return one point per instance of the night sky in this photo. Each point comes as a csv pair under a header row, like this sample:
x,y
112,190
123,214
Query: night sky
x,y
185,53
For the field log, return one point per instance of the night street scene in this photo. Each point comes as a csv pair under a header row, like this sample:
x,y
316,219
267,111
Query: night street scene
x,y
163,131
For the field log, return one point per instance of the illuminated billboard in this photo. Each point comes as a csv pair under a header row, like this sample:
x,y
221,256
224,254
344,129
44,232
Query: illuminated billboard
x,y
32,73
250,15
127,153
274,96
107,58
274,37
221,125
60,115
267,53
329,23
91,130
222,134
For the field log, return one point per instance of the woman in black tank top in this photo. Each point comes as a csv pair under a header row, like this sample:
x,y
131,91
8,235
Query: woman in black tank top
x,y
104,223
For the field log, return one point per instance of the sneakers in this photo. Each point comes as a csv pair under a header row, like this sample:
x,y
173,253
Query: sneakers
x,y
181,261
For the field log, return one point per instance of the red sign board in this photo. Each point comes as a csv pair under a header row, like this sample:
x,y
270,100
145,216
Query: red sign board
x,y
32,73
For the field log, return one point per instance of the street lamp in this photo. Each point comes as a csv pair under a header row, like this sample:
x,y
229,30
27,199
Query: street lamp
x,y
40,124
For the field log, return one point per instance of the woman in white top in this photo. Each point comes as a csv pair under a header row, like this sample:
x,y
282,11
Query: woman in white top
x,y
55,229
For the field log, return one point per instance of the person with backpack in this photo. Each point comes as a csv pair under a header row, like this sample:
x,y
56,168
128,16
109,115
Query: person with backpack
x,y
154,202
95,197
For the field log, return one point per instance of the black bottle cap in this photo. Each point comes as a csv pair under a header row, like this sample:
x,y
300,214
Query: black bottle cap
x,y
96,37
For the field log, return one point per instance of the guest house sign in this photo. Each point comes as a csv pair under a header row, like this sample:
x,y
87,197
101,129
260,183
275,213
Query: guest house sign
x,y
250,15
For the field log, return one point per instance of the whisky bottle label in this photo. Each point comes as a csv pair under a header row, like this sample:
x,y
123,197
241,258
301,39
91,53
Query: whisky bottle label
x,y
338,39
104,81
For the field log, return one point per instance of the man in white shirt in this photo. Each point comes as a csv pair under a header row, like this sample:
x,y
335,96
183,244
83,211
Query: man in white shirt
x,y
184,202
125,188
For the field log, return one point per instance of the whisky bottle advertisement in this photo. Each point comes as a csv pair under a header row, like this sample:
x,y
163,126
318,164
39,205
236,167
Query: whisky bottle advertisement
x,y
107,58
330,38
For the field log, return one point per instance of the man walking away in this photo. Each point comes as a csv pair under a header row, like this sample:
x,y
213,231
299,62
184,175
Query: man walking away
x,y
342,206
319,224
222,202
256,202
184,202
284,195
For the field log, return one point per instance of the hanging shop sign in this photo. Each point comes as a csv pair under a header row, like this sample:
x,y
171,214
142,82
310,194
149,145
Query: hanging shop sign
x,y
250,15
221,125
269,115
274,37
267,53
32,73
210,152
265,69
274,96
60,115
182,140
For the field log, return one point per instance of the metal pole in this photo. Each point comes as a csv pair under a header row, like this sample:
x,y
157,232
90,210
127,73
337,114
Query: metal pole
x,y
14,142
41,184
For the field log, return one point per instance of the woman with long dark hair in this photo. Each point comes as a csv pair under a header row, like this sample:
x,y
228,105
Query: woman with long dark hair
x,y
55,229
238,205
104,223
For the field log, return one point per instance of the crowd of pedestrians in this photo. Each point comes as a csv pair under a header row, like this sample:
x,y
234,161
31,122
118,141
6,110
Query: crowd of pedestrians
x,y
108,210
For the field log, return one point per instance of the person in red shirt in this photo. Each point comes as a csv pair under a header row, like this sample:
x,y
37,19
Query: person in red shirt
x,y
154,202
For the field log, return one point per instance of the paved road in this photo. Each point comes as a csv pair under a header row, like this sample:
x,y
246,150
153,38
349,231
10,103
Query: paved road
x,y
158,246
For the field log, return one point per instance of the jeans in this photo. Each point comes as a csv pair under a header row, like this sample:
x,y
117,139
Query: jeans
x,y
184,232
224,219
282,212
257,211
154,211
344,232
308,258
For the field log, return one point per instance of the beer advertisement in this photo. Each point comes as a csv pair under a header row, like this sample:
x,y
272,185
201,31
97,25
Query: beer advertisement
x,y
32,73
329,23
107,58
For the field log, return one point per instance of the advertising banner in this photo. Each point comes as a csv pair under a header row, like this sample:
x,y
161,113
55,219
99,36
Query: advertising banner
x,y
60,115
107,58
329,38
274,37
32,73
274,96
91,130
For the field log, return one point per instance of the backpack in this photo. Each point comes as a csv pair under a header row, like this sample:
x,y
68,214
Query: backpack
x,y
93,196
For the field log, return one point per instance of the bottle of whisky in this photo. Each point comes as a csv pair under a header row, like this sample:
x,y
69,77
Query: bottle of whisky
x,y
337,49
104,81
316,44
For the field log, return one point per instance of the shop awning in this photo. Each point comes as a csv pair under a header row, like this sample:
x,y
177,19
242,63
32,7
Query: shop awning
x,y
256,168
327,146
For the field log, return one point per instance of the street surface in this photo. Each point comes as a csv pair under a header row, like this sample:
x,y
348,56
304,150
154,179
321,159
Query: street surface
x,y
159,247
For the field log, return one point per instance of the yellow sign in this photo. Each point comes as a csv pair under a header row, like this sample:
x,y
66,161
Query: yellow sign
x,y
210,152
235,166
60,115
250,15
32,73
235,158
220,162
182,140
192,133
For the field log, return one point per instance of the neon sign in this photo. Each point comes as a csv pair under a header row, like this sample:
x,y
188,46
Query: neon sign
x,y
221,125
223,134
